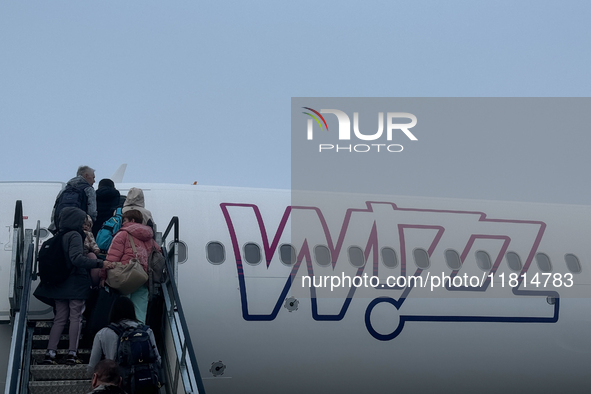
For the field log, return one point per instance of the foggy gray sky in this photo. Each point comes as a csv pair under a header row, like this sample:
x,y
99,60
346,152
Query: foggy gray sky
x,y
197,91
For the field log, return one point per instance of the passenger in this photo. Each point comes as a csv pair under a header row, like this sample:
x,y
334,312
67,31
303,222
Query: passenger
x,y
77,193
90,246
107,200
135,200
68,297
121,251
106,340
91,249
106,378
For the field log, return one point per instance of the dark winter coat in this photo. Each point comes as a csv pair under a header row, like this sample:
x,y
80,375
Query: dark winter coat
x,y
107,201
77,286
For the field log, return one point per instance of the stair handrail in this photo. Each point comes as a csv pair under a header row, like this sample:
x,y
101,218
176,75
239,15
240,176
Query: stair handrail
x,y
186,361
15,368
16,261
37,235
172,225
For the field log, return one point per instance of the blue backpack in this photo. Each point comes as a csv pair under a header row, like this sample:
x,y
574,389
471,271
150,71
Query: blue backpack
x,y
108,230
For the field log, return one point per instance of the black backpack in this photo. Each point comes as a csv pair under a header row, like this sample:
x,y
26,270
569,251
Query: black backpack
x,y
54,266
71,197
137,359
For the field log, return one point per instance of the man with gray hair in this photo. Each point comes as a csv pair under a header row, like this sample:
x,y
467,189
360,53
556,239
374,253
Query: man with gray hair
x,y
78,193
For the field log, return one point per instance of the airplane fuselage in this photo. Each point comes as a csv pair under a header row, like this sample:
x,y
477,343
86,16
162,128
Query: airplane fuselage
x,y
311,292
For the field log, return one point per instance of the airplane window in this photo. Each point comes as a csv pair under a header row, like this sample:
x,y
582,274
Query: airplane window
x,y
182,247
389,258
572,263
452,259
483,260
421,258
252,253
182,252
287,254
43,233
356,256
513,261
543,262
322,255
215,253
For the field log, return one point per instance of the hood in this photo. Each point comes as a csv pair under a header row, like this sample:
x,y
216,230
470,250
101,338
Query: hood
x,y
139,231
79,182
72,219
135,197
108,196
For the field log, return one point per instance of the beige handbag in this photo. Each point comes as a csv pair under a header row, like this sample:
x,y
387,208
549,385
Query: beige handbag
x,y
127,278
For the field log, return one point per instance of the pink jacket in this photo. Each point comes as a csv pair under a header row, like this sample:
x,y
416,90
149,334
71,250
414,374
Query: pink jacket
x,y
121,250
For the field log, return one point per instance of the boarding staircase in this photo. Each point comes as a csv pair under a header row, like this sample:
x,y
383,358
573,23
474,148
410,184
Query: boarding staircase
x,y
25,374
50,379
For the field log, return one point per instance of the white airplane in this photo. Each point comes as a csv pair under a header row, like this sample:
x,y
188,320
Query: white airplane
x,y
314,292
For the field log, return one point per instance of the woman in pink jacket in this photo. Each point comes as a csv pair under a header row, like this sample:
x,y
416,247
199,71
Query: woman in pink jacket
x,y
122,251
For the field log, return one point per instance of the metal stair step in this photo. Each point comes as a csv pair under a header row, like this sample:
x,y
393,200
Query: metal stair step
x,y
59,372
37,352
39,355
44,337
60,387
41,341
43,327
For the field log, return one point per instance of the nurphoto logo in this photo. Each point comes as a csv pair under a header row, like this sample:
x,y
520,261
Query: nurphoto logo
x,y
344,132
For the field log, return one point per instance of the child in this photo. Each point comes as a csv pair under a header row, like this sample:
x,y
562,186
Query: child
x,y
91,249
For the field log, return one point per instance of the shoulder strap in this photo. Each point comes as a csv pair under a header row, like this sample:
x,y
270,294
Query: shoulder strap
x,y
117,328
132,244
154,245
